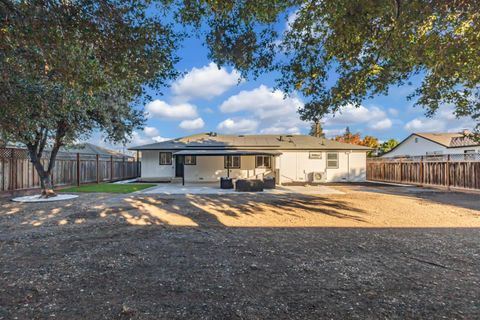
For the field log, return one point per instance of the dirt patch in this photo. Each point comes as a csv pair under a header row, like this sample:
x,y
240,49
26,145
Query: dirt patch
x,y
241,257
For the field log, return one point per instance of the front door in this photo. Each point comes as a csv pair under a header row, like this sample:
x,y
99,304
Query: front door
x,y
178,166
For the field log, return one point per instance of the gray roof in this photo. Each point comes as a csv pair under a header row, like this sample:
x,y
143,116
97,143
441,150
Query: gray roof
x,y
213,141
242,152
88,148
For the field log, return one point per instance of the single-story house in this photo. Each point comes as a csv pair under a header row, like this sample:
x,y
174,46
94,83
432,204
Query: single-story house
x,y
92,149
207,157
435,144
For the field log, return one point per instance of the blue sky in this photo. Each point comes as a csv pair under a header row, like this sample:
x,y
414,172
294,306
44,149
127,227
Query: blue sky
x,y
207,99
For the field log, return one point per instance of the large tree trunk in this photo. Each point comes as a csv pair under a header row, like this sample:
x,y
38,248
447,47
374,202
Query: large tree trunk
x,y
35,150
46,183
47,186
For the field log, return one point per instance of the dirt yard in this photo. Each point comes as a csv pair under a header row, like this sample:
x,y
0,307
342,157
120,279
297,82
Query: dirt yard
x,y
373,252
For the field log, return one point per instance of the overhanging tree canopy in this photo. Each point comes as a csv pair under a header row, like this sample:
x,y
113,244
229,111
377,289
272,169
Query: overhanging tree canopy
x,y
70,67
367,45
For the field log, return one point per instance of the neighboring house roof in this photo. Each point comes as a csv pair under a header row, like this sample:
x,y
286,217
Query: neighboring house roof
x,y
88,148
445,139
251,142
450,139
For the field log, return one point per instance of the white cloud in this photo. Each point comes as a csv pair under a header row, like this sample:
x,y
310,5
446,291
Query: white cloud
x,y
139,139
443,120
150,131
276,114
206,82
393,112
192,124
330,133
280,130
160,139
291,20
161,109
238,126
374,117
263,102
381,125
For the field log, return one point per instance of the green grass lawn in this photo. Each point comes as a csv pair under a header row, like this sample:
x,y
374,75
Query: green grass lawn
x,y
109,187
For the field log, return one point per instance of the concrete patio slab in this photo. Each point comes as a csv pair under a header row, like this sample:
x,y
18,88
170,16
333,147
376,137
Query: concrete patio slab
x,y
213,188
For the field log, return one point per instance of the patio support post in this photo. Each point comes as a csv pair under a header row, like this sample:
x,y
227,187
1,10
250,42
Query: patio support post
x,y
183,172
228,166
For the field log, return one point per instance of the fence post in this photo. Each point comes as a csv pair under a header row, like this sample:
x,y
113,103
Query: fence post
x,y
138,165
421,171
111,168
78,169
123,168
98,175
12,170
401,171
447,172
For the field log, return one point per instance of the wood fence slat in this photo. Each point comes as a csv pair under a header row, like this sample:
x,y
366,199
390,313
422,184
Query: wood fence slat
x,y
448,172
18,173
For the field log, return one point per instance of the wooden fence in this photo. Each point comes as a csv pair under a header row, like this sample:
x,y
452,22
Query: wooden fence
x,y
17,171
458,171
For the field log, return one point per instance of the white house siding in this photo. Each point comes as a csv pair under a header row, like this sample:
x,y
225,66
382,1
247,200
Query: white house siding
x,y
296,166
151,167
293,166
423,146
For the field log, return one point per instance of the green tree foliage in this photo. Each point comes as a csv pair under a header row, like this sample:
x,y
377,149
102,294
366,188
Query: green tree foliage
x,y
71,67
388,145
369,44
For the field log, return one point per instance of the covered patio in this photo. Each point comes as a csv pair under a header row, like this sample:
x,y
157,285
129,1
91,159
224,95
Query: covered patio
x,y
211,165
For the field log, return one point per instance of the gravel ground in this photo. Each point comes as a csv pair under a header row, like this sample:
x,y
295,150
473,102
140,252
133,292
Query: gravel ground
x,y
375,252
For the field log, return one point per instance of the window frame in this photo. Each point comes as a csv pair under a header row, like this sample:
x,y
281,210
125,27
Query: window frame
x,y
337,160
192,163
225,164
263,162
168,163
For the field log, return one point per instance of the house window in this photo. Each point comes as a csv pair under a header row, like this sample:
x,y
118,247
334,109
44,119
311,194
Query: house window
x,y
263,162
232,162
416,140
190,160
332,160
165,158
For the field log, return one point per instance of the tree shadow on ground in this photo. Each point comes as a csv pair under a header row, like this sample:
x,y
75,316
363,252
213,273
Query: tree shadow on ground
x,y
236,210
233,210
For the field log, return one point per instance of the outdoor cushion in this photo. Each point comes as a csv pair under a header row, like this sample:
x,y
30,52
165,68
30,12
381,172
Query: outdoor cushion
x,y
269,182
249,185
226,183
